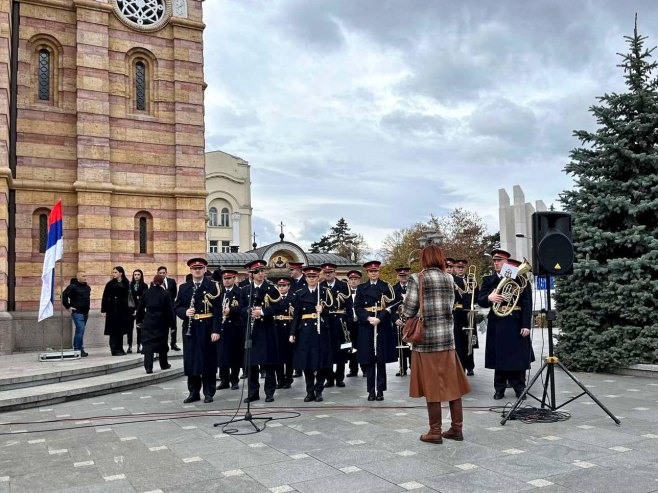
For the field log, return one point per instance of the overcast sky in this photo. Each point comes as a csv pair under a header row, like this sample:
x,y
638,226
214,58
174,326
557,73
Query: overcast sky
x,y
383,112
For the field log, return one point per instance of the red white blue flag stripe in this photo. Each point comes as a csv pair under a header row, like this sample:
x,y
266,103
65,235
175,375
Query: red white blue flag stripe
x,y
54,250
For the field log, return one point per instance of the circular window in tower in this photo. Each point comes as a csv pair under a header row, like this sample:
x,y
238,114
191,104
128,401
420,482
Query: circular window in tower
x,y
143,15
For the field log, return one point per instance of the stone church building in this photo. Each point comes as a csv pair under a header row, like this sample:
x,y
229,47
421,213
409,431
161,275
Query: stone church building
x,y
101,106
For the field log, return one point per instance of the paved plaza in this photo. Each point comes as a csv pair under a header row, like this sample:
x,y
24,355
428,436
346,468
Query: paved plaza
x,y
342,444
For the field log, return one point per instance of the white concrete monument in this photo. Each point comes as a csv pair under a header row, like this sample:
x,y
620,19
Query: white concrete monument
x,y
515,222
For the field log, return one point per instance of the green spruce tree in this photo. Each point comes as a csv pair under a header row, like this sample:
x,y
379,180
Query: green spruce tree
x,y
607,309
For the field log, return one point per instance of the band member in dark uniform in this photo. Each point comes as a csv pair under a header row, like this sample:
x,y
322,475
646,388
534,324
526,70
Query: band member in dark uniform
x,y
450,262
311,335
297,276
194,305
462,306
261,295
354,279
282,321
228,319
400,289
337,318
297,282
377,338
509,348
170,286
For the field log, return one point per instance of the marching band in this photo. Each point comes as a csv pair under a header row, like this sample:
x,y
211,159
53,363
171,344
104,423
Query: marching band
x,y
309,322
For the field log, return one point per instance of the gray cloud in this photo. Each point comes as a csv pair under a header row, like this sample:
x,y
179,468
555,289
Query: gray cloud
x,y
384,111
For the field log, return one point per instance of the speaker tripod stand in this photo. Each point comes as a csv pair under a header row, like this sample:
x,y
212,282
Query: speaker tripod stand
x,y
550,362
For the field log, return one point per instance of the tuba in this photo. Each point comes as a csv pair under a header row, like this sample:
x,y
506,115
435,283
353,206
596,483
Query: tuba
x,y
510,289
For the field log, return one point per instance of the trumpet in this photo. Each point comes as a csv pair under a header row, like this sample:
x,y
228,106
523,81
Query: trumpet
x,y
510,289
225,305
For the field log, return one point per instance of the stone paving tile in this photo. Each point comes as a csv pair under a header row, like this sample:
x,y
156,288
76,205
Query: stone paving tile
x,y
173,476
242,458
347,456
526,467
357,482
459,452
598,479
54,478
476,481
237,484
402,469
292,471
570,450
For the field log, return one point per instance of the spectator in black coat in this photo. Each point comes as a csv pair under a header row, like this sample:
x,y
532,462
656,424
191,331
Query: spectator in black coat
x,y
114,305
137,289
155,314
170,286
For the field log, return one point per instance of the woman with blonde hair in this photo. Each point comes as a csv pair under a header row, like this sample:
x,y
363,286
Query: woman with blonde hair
x,y
437,373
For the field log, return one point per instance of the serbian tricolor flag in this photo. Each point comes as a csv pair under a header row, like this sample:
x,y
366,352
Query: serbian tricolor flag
x,y
54,250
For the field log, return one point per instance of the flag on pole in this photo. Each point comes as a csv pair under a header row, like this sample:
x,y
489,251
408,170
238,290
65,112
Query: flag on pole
x,y
54,250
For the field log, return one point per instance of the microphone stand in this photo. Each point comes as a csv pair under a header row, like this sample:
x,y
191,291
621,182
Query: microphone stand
x,y
248,417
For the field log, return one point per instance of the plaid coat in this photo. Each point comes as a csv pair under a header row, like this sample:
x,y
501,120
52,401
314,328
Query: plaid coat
x,y
438,300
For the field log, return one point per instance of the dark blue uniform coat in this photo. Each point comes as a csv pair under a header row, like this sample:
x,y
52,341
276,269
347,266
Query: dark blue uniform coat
x,y
367,295
264,341
199,353
506,349
282,308
230,346
312,350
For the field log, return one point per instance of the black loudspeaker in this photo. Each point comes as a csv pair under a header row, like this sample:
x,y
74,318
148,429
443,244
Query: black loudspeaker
x,y
552,246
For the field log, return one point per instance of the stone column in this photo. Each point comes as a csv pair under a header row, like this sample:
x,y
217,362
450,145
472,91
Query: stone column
x,y
235,218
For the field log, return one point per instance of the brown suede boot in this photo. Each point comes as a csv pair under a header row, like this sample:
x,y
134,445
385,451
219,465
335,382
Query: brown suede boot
x,y
434,434
457,418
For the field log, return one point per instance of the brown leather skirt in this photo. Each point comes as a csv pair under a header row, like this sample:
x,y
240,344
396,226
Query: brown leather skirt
x,y
438,376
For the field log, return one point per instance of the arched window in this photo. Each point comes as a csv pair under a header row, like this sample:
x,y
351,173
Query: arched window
x,y
40,230
45,70
43,233
141,103
212,216
44,75
143,233
143,236
223,221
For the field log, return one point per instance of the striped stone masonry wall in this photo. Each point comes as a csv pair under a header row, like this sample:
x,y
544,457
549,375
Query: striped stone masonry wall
x,y
104,159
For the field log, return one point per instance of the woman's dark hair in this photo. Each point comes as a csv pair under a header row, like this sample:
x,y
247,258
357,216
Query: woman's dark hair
x,y
122,279
141,280
433,256
158,280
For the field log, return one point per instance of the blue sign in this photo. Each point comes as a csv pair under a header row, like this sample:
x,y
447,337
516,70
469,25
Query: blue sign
x,y
541,283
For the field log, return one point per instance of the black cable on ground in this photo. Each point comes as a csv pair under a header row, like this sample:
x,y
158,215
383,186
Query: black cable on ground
x,y
527,414
534,415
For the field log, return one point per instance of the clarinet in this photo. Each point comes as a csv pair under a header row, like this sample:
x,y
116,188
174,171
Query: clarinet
x,y
375,334
188,332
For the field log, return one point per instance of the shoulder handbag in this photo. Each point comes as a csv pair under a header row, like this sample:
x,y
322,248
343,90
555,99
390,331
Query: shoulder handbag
x,y
414,328
131,300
